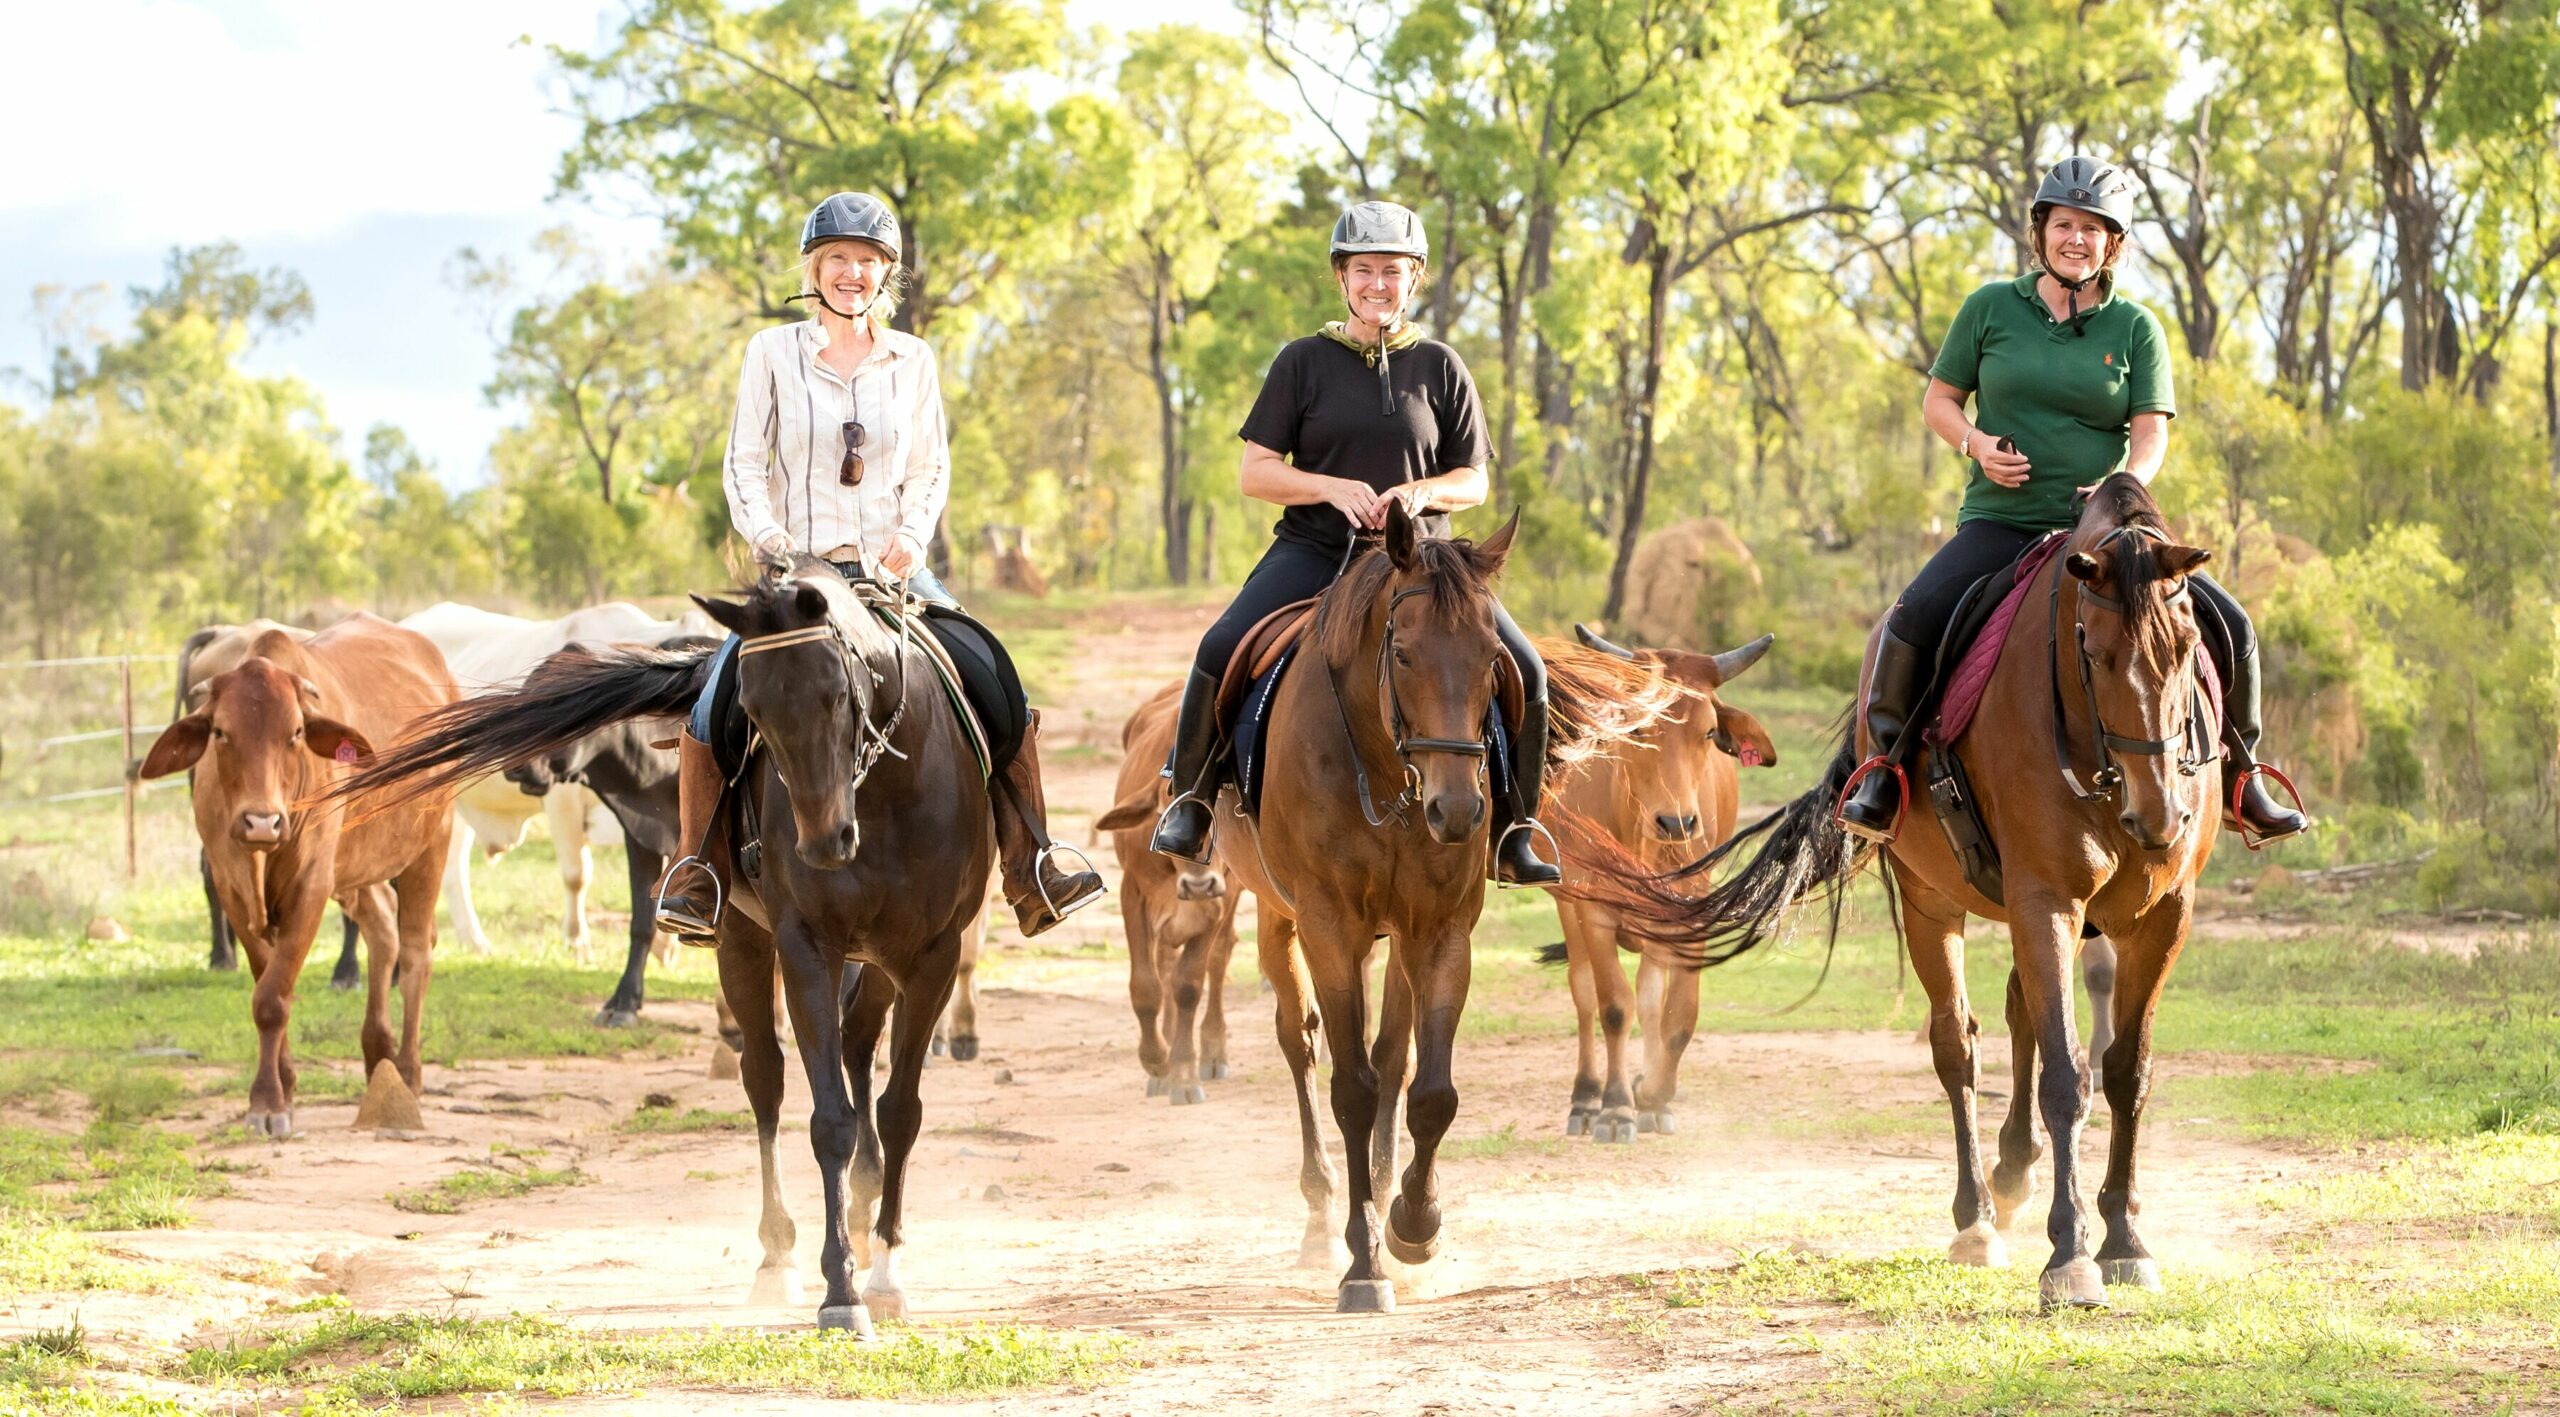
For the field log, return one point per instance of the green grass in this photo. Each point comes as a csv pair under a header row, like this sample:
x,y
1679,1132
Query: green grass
x,y
667,1121
507,1174
348,1358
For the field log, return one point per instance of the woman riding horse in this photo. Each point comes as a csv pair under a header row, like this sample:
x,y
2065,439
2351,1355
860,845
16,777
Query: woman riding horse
x,y
838,449
1362,413
2066,393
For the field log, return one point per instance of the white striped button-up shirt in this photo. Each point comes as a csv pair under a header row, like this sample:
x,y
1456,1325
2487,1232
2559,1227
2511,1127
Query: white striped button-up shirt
x,y
786,443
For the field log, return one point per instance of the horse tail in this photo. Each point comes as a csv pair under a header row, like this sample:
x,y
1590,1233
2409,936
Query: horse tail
x,y
1595,699
1800,852
568,696
1556,953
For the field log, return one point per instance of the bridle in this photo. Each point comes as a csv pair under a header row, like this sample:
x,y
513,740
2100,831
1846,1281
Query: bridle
x,y
870,741
2192,744
1406,744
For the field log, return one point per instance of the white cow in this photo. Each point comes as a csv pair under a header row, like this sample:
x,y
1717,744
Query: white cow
x,y
492,651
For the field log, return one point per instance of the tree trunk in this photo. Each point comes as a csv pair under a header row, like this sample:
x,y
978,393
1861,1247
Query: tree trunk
x,y
1657,314
1172,507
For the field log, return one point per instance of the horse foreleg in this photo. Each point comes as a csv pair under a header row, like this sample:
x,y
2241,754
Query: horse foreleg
x,y
1296,1022
2144,963
746,1014
1441,971
2014,1179
2044,936
1667,1006
1391,1056
1335,951
1933,931
902,1114
812,989
868,995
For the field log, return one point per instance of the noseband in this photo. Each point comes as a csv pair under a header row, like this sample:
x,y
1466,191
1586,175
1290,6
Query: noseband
x,y
2191,743
1407,744
869,741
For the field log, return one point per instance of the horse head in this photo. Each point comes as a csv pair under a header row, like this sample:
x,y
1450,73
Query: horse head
x,y
1408,636
805,680
2136,641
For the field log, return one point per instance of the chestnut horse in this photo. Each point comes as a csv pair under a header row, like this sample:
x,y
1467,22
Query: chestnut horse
x,y
1389,700
2092,757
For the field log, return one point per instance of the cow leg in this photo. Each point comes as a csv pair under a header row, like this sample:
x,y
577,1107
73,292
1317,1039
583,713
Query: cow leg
x,y
277,963
1667,1006
1146,992
417,890
457,890
1190,965
646,866
375,913
1213,1023
1296,1023
928,988
1617,1119
565,807
1582,978
958,1033
225,955
746,1009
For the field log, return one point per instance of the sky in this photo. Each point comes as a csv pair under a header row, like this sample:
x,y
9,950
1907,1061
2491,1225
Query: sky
x,y
358,143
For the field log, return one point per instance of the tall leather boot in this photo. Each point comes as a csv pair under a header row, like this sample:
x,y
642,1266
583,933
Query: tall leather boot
x,y
2251,808
1041,895
1183,830
1516,861
690,894
1872,806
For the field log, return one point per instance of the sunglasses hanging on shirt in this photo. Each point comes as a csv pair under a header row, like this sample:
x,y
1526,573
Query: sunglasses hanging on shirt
x,y
850,475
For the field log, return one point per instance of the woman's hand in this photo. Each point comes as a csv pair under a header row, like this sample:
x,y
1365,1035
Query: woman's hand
x,y
1356,500
902,557
2001,462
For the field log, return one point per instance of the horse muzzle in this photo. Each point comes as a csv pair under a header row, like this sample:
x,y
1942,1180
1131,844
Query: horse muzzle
x,y
1452,817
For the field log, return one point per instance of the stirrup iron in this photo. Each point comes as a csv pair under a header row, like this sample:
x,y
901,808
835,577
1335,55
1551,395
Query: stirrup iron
x,y
1526,824
719,897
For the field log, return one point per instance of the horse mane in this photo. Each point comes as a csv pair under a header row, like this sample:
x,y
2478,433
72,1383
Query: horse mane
x,y
2122,501
1456,573
765,599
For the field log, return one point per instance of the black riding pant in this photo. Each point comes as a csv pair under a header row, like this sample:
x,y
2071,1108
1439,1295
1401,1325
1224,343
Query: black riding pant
x,y
1292,571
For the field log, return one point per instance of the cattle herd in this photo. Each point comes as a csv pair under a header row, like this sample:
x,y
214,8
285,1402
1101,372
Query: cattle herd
x,y
271,717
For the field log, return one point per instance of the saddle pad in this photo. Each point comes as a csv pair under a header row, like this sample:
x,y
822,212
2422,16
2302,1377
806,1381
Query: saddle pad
x,y
1261,650
1962,693
938,646
1251,728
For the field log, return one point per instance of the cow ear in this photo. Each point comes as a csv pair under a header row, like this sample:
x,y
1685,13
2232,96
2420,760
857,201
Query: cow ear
x,y
1401,540
1135,810
729,615
334,741
178,746
2177,560
2083,566
1741,735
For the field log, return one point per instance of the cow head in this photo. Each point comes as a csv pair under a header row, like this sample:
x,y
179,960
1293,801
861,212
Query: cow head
x,y
1669,785
1192,880
257,736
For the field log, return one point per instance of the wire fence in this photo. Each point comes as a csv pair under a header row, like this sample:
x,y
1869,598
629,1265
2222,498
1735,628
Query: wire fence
x,y
47,756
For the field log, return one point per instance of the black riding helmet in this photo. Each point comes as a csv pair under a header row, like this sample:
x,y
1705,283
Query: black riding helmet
x,y
856,216
2083,184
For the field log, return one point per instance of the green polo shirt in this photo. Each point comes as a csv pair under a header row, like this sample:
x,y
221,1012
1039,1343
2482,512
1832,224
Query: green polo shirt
x,y
2068,399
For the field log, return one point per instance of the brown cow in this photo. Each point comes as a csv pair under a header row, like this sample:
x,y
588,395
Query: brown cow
x,y
1669,797
1180,918
269,736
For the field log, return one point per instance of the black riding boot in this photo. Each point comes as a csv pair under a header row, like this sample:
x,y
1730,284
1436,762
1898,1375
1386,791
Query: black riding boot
x,y
2258,814
1873,807
1183,830
1515,848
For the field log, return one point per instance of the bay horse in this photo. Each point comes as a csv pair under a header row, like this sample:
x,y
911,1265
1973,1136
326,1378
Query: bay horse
x,y
2095,772
876,842
1397,675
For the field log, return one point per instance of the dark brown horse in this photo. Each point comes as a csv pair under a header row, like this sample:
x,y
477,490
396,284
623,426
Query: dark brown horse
x,y
2094,765
1373,824
875,847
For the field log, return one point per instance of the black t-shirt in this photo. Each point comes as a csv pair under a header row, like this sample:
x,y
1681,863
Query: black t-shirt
x,y
1319,408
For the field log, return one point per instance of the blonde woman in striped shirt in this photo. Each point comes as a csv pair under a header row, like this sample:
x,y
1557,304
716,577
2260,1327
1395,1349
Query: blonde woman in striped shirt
x,y
838,450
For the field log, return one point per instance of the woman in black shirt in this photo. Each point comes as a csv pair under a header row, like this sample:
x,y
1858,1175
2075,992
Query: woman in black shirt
x,y
1364,411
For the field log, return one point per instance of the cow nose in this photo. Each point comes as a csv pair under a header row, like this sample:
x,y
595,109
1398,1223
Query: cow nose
x,y
1676,826
262,828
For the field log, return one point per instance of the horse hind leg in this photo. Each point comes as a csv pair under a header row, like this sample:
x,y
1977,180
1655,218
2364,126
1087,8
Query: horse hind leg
x,y
901,1116
2098,971
2013,1180
746,1009
1933,930
1297,1025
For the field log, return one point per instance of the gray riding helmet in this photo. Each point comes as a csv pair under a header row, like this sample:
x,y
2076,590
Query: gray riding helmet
x,y
1380,228
857,216
2087,184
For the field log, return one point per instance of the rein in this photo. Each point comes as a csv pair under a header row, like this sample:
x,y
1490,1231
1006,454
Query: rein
x,y
2190,742
1406,744
870,741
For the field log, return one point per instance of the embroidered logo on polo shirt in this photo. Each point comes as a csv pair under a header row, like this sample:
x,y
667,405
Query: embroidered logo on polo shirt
x,y
2110,361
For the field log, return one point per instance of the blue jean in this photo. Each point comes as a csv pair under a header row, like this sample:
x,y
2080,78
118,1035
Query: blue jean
x,y
922,583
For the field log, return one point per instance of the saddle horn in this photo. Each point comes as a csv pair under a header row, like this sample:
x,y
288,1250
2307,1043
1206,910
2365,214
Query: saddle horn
x,y
1734,661
1593,639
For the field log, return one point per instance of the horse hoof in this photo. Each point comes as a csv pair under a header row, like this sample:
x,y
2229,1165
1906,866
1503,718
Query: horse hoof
x,y
885,1304
2143,1273
937,1046
2074,1285
1215,1072
275,1125
1414,1252
1187,1093
1577,1123
611,1017
1979,1246
1366,1296
776,1286
1155,1086
1655,1122
964,1049
1613,1127
848,1318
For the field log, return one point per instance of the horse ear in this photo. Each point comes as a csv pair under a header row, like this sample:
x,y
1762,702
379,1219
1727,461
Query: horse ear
x,y
1495,549
2083,566
1401,539
727,614
809,600
2180,560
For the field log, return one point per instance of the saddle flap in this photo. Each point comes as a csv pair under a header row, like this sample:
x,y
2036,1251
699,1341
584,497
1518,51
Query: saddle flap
x,y
1258,653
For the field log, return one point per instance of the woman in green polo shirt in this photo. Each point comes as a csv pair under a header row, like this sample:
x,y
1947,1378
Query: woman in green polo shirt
x,y
2070,382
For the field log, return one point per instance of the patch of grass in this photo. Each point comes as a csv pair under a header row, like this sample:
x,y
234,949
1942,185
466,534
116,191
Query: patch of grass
x,y
510,1172
667,1121
357,1358
2504,1182
44,1358
1495,1145
41,1255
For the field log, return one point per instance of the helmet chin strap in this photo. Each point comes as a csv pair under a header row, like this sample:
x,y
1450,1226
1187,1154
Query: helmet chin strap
x,y
1386,327
830,307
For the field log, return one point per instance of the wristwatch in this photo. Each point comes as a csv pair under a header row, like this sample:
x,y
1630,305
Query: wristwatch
x,y
1964,447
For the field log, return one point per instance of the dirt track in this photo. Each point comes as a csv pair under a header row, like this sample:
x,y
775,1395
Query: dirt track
x,y
1049,1191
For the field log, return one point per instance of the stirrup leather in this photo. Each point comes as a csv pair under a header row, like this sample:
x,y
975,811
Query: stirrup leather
x,y
2240,785
1525,824
1902,798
